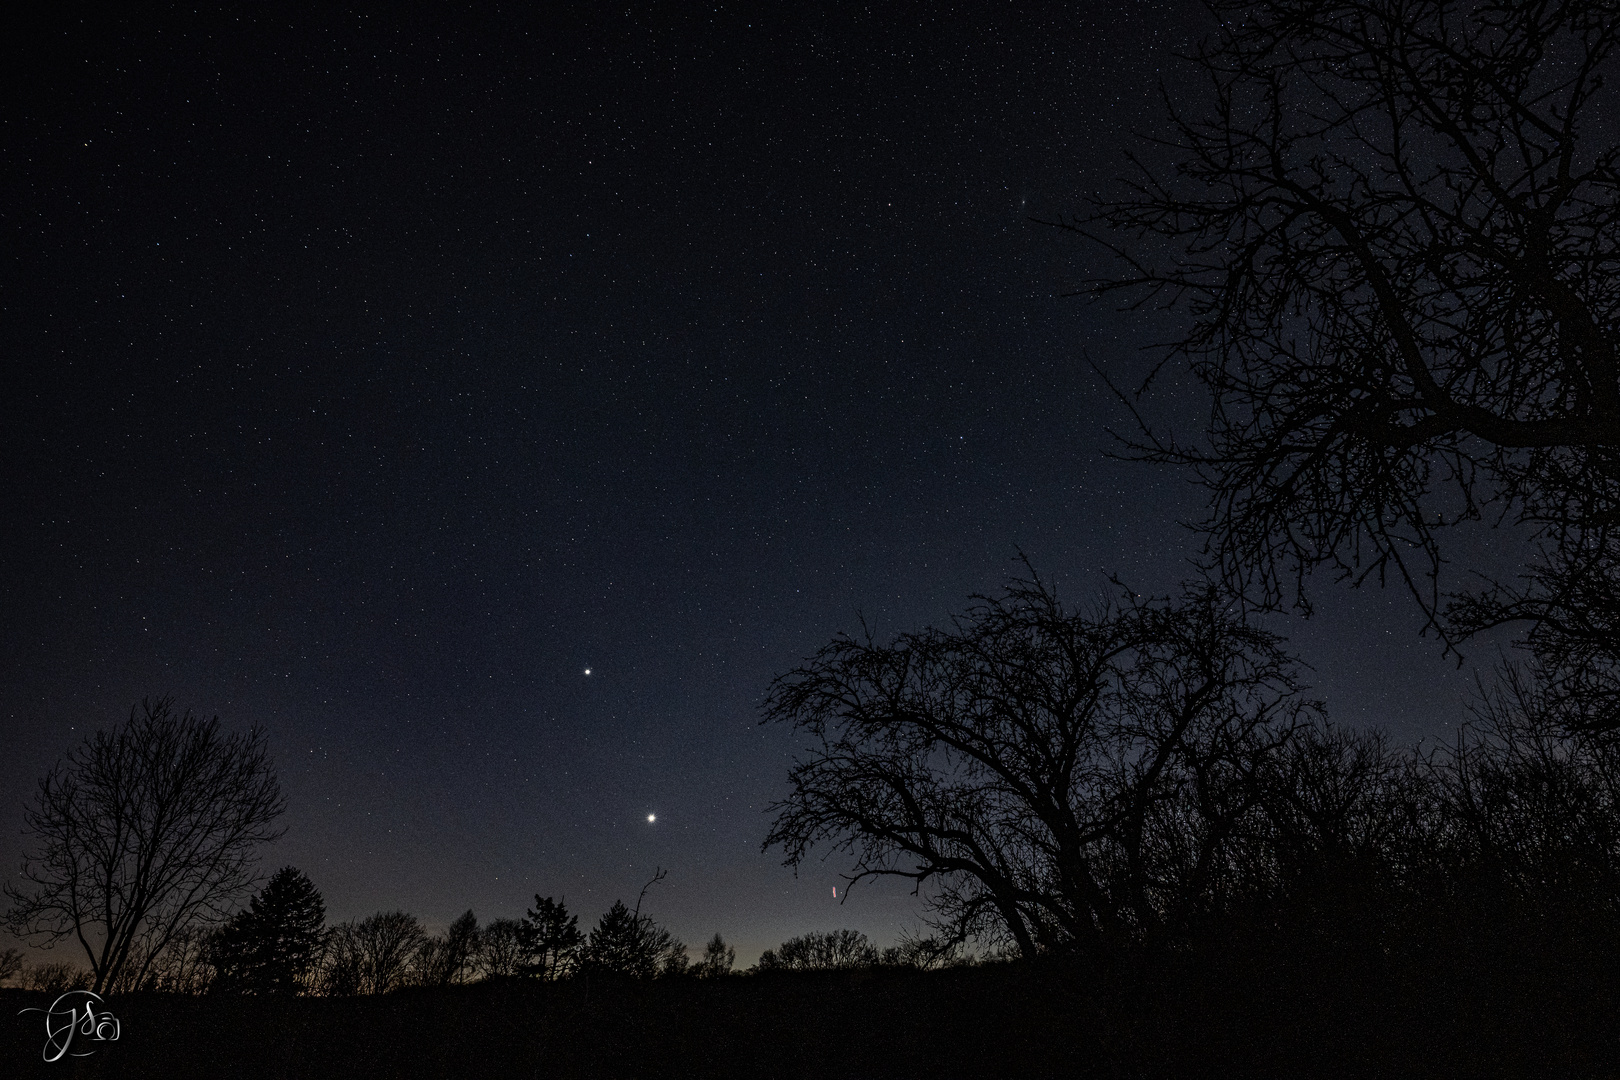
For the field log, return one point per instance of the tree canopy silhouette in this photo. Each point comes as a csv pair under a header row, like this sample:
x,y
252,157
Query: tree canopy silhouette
x,y
1393,225
374,955
142,833
834,950
501,951
451,957
1053,778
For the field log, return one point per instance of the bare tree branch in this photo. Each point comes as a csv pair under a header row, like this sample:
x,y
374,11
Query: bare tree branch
x,y
1395,225
1044,778
142,834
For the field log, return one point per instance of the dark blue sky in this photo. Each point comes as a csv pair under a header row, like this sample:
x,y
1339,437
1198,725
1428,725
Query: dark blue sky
x,y
371,376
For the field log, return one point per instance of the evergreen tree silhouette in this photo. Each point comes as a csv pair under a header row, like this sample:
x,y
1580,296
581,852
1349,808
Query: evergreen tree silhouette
x,y
268,947
619,944
550,939
626,942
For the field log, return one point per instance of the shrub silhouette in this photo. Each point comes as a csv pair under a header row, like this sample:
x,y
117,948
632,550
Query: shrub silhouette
x,y
55,978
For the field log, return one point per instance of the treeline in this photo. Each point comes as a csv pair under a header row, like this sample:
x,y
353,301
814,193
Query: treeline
x,y
1153,771
1143,772
116,868
280,944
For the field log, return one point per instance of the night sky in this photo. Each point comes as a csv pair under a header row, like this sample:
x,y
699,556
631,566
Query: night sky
x,y
369,377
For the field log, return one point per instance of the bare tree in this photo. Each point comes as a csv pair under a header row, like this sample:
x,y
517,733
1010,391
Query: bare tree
x,y
11,962
1341,808
1052,778
450,957
718,959
1393,225
835,950
1525,812
373,955
1516,815
925,953
187,966
142,833
500,948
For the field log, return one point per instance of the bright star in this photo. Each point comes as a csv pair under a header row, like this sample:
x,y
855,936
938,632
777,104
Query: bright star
x,y
587,671
651,818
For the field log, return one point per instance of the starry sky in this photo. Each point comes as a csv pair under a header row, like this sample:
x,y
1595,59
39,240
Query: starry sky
x,y
372,375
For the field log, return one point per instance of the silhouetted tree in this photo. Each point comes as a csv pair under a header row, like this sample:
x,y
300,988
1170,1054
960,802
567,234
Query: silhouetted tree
x,y
1392,223
626,942
1055,778
550,939
835,950
373,955
141,833
501,950
269,947
1344,830
1525,813
449,958
1517,817
718,959
618,944
11,962
925,953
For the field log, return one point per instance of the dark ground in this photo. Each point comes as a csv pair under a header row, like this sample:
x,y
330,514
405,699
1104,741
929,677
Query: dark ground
x,y
1508,1008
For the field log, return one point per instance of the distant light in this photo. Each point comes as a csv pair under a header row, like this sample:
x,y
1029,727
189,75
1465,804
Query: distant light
x,y
651,818
587,671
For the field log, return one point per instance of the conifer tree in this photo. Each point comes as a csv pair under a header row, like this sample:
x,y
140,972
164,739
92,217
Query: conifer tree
x,y
270,945
550,939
